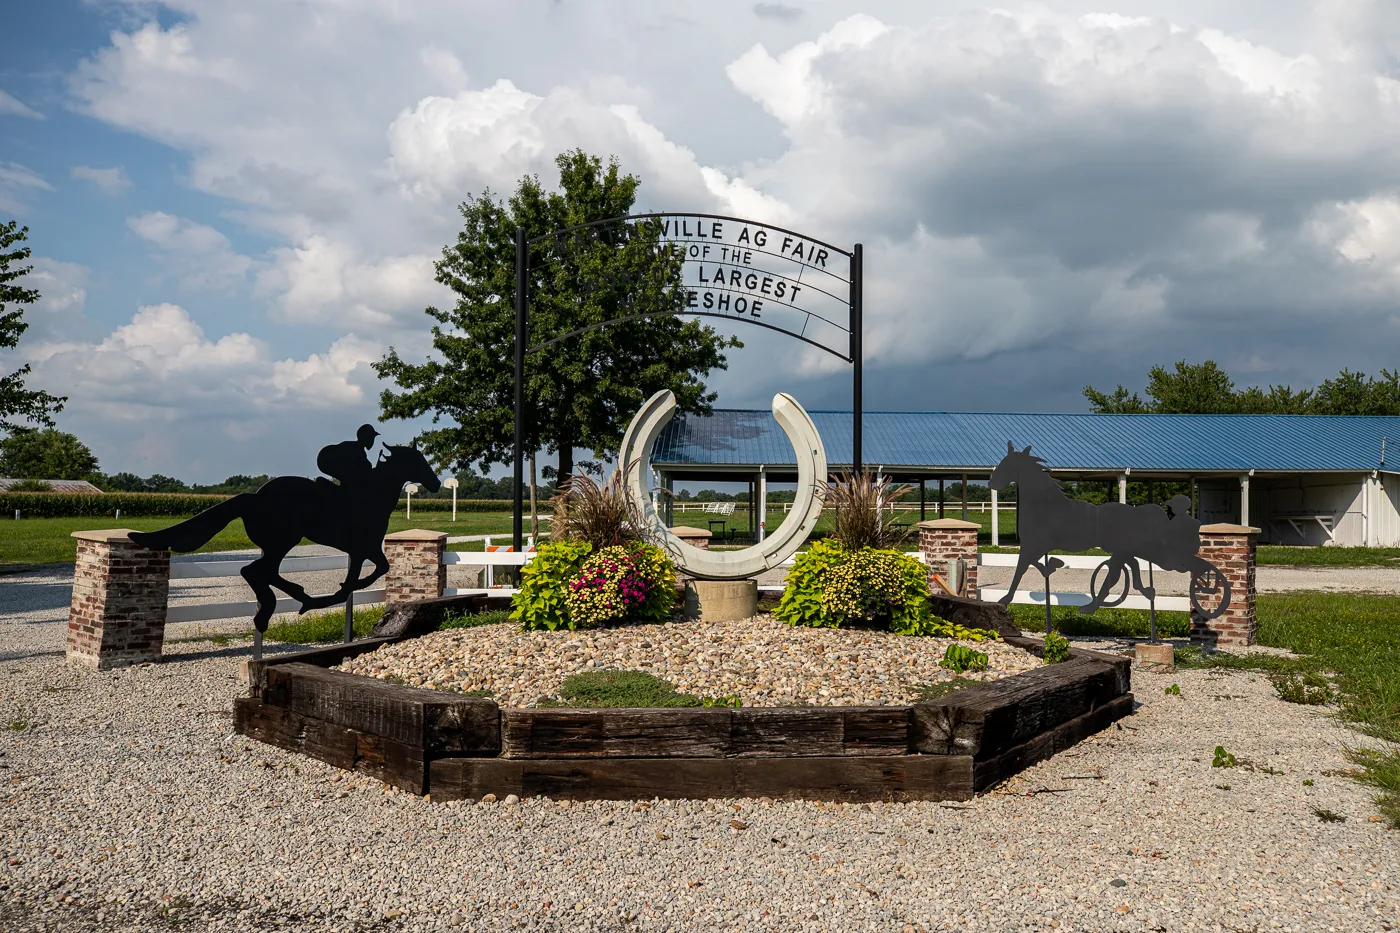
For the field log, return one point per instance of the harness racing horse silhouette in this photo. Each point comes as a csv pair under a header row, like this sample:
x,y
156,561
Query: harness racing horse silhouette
x,y
288,508
1049,520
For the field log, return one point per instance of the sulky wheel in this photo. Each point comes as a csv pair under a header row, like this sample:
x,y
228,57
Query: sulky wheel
x,y
1209,582
1102,596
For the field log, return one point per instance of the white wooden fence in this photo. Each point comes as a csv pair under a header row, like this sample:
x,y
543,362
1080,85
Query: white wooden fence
x,y
491,559
1071,562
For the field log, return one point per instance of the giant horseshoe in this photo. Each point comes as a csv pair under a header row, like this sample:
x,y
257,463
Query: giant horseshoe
x,y
635,457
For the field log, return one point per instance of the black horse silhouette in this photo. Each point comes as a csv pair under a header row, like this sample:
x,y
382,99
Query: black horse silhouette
x,y
1049,520
288,508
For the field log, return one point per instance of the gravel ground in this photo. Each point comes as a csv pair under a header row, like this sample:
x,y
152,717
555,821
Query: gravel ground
x,y
128,806
762,661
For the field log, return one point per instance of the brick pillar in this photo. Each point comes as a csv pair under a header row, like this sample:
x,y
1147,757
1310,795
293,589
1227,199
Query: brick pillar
x,y
117,614
416,570
1231,548
945,539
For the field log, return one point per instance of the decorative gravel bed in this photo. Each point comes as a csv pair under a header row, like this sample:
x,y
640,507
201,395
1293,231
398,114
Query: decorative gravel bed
x,y
761,660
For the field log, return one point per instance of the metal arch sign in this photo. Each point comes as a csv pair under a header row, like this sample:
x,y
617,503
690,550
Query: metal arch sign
x,y
727,267
705,265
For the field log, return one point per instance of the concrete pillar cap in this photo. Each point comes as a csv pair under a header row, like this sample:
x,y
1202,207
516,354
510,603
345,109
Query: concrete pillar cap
x,y
685,531
417,534
947,524
111,535
1228,529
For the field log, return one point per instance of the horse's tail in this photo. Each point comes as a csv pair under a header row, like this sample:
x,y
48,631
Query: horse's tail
x,y
193,533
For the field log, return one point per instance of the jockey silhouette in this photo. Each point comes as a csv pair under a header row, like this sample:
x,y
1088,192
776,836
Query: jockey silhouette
x,y
347,461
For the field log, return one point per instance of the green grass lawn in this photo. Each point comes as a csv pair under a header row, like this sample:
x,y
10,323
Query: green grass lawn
x,y
50,540
1353,639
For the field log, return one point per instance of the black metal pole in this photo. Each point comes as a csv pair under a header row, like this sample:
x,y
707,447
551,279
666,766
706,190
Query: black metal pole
x,y
522,284
350,604
857,357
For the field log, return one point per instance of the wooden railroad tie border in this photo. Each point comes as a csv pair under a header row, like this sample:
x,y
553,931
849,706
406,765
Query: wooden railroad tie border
x,y
420,740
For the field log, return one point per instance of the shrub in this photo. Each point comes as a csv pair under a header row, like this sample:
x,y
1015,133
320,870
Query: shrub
x,y
1222,759
1056,648
600,513
539,603
30,485
958,658
830,586
636,582
861,521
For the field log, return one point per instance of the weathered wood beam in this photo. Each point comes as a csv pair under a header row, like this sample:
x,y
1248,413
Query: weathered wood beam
x,y
907,777
434,720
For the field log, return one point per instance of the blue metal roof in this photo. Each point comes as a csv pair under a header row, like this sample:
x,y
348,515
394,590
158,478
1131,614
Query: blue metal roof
x,y
958,440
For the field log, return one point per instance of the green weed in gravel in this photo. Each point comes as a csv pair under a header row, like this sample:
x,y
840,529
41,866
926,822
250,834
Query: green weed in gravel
x,y
628,690
942,688
473,619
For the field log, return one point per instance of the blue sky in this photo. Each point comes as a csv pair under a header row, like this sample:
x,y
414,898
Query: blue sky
x,y
234,208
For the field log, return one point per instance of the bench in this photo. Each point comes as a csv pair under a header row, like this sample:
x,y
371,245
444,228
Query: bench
x,y
725,509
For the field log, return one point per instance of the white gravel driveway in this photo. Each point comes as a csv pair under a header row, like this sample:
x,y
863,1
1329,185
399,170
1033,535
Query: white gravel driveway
x,y
128,805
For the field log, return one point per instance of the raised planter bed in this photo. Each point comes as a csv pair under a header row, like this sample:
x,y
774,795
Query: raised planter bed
x,y
455,747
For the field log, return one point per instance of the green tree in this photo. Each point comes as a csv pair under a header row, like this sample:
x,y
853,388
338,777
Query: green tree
x,y
581,391
46,454
1358,394
17,402
1192,389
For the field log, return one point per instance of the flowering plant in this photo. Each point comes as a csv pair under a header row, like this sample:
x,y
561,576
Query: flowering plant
x,y
624,582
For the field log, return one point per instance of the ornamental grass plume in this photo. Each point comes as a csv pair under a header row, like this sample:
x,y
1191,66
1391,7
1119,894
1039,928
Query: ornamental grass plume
x,y
864,511
601,514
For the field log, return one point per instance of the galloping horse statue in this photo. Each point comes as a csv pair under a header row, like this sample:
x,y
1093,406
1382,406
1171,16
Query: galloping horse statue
x,y
1048,520
288,508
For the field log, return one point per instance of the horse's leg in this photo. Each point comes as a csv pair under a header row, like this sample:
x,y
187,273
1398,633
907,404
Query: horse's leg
x,y
381,567
260,580
1023,563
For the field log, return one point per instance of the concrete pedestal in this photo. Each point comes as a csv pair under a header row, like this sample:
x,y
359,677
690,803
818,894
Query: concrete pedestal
x,y
721,600
1157,658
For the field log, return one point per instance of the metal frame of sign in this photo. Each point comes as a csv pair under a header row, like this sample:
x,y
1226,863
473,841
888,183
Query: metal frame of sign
x,y
854,355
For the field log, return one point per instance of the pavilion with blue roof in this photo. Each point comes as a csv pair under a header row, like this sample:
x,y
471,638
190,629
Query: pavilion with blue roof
x,y
1302,479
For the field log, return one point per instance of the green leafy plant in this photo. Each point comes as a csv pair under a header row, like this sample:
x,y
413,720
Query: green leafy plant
x,y
728,701
959,659
1222,759
830,586
30,485
1056,649
1310,688
636,582
801,602
1307,782
539,602
1222,787
1172,691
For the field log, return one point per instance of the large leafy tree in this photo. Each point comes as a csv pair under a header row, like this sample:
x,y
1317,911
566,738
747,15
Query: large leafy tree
x,y
46,454
581,391
17,402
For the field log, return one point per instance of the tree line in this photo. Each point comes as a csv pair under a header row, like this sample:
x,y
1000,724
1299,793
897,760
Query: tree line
x,y
1206,389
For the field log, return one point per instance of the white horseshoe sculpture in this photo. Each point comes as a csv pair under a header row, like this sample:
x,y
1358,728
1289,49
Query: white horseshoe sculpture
x,y
782,543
